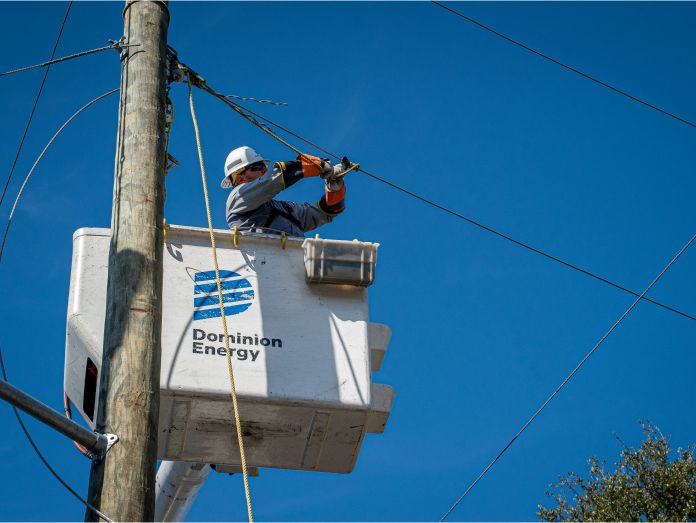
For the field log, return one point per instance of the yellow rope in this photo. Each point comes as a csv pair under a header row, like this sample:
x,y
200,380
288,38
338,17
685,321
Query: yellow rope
x,y
200,82
241,113
233,390
353,166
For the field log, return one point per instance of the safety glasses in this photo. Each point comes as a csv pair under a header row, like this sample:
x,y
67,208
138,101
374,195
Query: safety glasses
x,y
257,167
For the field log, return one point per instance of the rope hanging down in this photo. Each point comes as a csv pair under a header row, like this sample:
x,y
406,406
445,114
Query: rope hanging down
x,y
246,113
230,370
569,68
570,376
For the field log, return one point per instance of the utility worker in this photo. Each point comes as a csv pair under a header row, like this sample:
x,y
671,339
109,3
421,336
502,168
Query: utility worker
x,y
251,203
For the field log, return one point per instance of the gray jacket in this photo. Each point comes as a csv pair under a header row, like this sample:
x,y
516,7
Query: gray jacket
x,y
251,205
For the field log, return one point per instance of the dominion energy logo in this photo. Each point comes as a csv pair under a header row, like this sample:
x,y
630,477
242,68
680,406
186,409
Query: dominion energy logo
x,y
237,294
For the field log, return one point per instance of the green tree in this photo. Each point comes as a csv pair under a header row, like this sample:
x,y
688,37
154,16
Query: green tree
x,y
645,486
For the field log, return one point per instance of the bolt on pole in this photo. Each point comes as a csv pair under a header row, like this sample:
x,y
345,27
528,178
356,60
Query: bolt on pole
x,y
123,484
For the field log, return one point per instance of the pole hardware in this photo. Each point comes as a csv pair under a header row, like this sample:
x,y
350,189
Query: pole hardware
x,y
111,440
96,443
178,71
121,47
175,73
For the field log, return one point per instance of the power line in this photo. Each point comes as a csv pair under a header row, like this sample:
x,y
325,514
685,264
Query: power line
x,y
568,378
36,103
31,171
115,45
249,99
42,457
569,68
240,109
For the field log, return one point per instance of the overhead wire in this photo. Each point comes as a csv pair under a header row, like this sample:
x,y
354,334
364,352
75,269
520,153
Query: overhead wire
x,y
43,458
565,66
569,376
115,45
24,428
2,249
36,103
241,110
257,100
36,163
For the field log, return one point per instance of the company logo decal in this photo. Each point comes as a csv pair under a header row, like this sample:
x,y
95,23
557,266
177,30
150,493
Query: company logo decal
x,y
237,294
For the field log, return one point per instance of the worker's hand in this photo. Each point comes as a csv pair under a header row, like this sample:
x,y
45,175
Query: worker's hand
x,y
334,184
327,168
315,166
338,171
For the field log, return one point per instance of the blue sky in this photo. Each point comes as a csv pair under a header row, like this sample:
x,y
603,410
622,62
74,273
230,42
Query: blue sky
x,y
483,330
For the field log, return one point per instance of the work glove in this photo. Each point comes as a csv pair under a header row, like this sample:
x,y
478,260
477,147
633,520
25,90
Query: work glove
x,y
327,168
332,172
334,184
315,166
336,171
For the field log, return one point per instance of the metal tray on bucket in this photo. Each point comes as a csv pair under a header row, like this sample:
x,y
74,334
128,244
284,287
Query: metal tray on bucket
x,y
339,261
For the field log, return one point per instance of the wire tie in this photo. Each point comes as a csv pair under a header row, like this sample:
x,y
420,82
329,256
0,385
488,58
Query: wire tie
x,y
283,240
235,236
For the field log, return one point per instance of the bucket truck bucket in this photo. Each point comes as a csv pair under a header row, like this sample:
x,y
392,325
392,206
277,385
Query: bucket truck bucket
x,y
301,343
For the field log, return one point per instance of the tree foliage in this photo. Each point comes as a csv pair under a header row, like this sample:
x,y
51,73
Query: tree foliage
x,y
645,486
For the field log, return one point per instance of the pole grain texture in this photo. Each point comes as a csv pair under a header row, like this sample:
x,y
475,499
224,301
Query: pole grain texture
x,y
123,484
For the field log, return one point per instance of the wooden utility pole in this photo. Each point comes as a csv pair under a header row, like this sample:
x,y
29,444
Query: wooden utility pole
x,y
122,485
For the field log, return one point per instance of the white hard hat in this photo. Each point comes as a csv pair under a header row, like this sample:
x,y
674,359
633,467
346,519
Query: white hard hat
x,y
237,161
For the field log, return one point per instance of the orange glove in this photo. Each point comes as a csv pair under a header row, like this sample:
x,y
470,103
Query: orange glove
x,y
314,166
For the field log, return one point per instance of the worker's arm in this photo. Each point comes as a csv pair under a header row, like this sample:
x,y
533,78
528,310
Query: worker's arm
x,y
327,208
251,195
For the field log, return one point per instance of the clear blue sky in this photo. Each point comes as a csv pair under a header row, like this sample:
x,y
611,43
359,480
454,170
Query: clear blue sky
x,y
483,330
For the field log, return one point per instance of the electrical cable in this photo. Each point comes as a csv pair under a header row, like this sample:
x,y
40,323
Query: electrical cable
x,y
570,376
115,45
68,414
569,68
36,103
43,458
31,171
240,109
249,99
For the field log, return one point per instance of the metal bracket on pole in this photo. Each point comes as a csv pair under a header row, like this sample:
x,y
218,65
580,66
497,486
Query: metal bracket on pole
x,y
175,73
105,442
122,47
